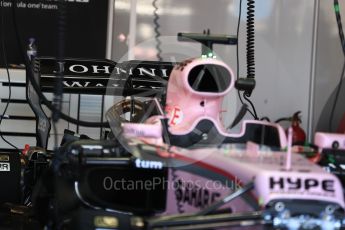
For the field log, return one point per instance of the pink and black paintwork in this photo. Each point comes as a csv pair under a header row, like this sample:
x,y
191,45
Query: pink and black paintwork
x,y
329,140
301,196
331,148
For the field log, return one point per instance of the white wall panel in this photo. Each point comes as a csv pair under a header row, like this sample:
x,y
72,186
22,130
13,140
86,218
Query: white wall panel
x,y
329,61
283,58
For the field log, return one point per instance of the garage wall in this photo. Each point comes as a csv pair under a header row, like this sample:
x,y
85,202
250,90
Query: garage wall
x,y
284,53
329,62
284,50
284,35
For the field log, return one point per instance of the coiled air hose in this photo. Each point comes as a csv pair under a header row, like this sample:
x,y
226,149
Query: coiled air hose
x,y
250,39
156,29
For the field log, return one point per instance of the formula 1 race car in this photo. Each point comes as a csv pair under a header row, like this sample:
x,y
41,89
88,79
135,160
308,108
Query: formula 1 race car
x,y
170,163
182,169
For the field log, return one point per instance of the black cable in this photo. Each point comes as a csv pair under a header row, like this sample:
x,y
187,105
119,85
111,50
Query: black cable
x,y
58,92
283,119
64,116
237,47
156,29
255,115
8,76
265,119
55,136
250,48
237,54
340,27
248,110
31,78
342,41
239,116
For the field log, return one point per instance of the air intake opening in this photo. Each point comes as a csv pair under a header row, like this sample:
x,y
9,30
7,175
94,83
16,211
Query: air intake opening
x,y
209,78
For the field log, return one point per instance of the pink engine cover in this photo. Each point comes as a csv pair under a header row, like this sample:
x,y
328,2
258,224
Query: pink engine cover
x,y
181,97
185,107
326,140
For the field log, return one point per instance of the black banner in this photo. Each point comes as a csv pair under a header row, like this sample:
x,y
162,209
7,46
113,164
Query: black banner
x,y
142,78
85,27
